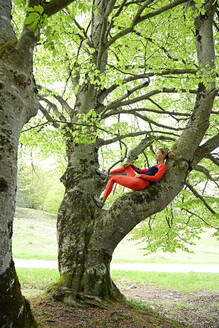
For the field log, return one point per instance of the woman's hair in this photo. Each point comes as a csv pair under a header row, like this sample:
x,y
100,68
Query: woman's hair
x,y
169,154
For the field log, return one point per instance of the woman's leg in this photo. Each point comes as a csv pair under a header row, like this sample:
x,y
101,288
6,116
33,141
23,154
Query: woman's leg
x,y
125,181
129,171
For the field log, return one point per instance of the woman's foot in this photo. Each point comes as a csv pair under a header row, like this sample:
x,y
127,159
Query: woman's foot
x,y
99,201
103,174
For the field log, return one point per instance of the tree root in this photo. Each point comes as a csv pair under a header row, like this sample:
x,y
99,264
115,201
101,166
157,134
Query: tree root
x,y
79,300
92,301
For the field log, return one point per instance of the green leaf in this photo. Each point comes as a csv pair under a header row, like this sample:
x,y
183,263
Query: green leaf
x,y
31,18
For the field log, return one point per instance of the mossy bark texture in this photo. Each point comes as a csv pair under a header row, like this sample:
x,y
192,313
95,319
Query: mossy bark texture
x,y
14,308
18,103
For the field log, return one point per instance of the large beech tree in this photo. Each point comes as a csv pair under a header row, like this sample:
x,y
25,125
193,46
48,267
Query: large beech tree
x,y
139,58
153,60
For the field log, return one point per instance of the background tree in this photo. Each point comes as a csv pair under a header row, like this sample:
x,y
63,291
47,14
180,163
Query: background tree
x,y
38,184
153,60
18,103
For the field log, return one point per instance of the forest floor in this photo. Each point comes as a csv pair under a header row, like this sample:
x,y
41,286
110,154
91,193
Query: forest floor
x,y
155,307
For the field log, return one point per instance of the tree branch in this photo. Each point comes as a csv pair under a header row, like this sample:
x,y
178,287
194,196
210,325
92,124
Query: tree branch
x,y
206,172
206,149
60,99
200,197
117,103
116,15
215,160
135,77
55,6
142,109
48,117
143,144
146,119
138,19
54,108
131,91
194,214
28,39
102,142
36,126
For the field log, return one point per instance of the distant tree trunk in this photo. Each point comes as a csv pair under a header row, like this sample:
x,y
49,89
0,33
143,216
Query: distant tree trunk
x,y
18,103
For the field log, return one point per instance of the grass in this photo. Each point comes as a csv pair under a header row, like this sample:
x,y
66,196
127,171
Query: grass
x,y
35,238
34,235
182,282
40,279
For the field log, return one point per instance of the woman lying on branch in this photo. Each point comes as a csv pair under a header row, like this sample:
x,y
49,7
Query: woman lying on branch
x,y
135,178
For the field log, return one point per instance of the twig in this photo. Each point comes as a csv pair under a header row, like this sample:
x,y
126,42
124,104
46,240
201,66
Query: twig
x,y
194,214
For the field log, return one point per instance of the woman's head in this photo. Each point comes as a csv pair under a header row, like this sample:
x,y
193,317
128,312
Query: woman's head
x,y
164,153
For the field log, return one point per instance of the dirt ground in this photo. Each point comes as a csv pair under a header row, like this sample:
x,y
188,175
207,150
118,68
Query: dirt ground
x,y
163,309
198,310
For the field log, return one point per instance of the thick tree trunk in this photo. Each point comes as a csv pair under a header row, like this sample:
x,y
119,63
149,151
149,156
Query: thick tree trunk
x,y
84,264
87,236
15,309
18,103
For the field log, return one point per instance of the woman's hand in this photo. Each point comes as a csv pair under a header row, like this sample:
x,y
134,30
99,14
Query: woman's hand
x,y
126,165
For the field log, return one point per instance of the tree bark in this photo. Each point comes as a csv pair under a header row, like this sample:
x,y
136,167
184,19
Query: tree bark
x,y
18,103
83,266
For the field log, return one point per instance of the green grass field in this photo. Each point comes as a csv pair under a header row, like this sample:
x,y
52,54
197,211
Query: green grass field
x,y
35,238
38,280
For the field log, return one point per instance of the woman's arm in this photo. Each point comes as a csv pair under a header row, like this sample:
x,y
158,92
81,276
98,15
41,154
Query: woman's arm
x,y
139,170
155,178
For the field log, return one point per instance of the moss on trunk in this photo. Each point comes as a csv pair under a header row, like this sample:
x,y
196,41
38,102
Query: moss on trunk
x,y
15,309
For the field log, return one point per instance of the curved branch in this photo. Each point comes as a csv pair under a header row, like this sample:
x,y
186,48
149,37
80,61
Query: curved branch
x,y
131,91
194,214
205,171
206,149
60,99
134,134
48,117
138,19
146,119
114,16
143,109
147,75
214,159
36,126
55,6
54,108
117,103
143,144
200,197
133,207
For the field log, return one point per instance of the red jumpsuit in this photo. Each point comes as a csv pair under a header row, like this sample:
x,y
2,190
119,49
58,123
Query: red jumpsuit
x,y
132,182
